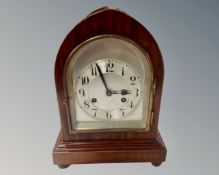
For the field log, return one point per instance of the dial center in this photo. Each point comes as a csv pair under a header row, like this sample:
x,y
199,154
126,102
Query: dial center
x,y
108,93
108,100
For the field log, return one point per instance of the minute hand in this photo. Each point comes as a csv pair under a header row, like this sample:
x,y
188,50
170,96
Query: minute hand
x,y
102,78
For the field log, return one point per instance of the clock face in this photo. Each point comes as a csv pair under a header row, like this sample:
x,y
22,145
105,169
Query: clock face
x,y
108,80
108,89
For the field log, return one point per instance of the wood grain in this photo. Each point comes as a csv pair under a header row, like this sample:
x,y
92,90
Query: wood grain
x,y
122,146
70,152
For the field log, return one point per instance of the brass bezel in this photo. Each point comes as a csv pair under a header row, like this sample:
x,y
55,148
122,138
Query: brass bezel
x,y
69,96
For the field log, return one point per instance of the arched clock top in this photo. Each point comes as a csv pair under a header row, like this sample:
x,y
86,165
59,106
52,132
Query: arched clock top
x,y
110,21
109,105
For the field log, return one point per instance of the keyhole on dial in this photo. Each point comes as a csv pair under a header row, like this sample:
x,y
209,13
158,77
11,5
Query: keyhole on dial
x,y
123,99
94,100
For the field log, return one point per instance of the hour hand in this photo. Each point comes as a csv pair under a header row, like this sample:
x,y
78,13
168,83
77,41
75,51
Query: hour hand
x,y
123,92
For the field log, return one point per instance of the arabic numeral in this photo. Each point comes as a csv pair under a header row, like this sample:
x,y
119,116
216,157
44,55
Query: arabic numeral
x,y
109,67
123,71
137,92
84,80
93,70
108,115
86,104
122,112
132,80
131,104
95,112
81,92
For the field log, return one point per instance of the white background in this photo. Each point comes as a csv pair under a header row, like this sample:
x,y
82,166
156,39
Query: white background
x,y
30,35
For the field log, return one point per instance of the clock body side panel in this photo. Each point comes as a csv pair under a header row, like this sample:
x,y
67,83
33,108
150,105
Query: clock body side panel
x,y
116,23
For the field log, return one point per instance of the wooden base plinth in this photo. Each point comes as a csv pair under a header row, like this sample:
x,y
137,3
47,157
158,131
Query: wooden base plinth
x,y
151,150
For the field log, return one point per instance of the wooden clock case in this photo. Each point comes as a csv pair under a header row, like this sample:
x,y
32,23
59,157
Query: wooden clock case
x,y
108,146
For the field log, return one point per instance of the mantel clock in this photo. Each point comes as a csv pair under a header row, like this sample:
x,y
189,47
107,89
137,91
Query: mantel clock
x,y
109,77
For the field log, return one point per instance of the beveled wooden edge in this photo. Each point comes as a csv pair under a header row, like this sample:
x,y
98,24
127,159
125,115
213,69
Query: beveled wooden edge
x,y
109,21
67,153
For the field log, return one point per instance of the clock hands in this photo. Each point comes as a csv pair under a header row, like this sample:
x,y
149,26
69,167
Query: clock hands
x,y
123,92
108,92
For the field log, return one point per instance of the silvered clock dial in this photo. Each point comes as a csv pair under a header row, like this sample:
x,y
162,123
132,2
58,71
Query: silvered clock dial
x,y
108,89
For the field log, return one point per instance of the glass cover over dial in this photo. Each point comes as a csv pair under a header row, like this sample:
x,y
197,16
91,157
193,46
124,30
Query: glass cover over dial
x,y
108,85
